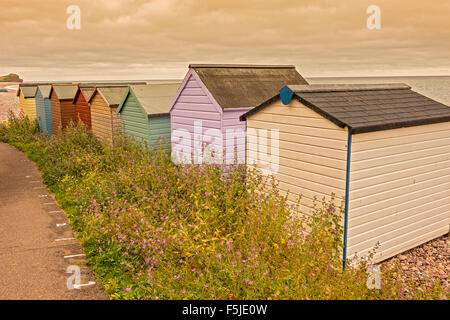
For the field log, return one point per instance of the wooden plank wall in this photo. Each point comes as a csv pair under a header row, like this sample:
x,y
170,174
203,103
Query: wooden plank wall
x,y
56,112
67,112
134,120
399,189
104,119
83,111
28,106
40,112
312,152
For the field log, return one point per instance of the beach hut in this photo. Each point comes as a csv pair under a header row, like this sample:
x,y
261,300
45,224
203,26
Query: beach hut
x,y
82,107
205,112
43,108
383,150
144,112
27,100
61,101
104,103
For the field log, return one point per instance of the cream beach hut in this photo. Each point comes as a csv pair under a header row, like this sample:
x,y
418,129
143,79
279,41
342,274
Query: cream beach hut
x,y
384,150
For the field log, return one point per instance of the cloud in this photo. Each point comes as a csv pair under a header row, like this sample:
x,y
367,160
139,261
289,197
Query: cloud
x,y
138,39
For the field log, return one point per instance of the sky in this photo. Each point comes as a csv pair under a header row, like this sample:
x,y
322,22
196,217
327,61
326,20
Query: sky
x,y
157,39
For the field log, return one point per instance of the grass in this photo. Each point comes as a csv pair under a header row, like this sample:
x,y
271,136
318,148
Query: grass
x,y
155,230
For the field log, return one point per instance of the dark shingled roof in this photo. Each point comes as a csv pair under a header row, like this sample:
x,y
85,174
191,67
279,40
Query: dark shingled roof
x,y
245,86
366,108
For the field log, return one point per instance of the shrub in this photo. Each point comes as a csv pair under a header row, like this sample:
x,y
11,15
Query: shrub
x,y
155,230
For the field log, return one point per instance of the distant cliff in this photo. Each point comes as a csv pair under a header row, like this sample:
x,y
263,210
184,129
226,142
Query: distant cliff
x,y
12,77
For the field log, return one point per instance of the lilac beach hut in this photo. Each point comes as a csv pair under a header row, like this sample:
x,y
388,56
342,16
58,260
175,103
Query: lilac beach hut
x,y
204,114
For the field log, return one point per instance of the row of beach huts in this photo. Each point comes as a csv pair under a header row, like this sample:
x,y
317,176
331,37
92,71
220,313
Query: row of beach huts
x,y
382,149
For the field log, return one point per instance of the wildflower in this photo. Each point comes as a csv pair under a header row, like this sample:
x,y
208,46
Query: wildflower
x,y
177,276
127,289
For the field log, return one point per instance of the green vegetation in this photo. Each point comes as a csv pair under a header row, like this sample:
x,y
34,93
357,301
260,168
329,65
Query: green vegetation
x,y
12,77
155,230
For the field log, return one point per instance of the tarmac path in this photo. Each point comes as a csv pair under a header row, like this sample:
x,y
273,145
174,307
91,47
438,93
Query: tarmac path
x,y
36,241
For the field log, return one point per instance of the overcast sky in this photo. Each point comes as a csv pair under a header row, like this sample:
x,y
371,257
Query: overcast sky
x,y
157,39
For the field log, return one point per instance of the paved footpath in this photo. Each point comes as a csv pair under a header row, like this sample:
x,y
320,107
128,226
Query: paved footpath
x,y
36,242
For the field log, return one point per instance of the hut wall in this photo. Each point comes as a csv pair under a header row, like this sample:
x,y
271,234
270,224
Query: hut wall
x,y
105,122
55,112
194,104
159,130
40,111
28,106
234,131
312,152
399,189
67,112
83,110
48,116
134,119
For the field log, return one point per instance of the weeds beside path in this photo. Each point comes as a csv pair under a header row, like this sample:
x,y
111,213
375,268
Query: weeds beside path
x,y
155,230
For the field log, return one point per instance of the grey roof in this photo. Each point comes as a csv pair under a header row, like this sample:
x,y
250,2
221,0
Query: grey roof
x,y
156,98
45,90
88,92
367,108
33,84
27,91
64,91
112,94
245,86
106,83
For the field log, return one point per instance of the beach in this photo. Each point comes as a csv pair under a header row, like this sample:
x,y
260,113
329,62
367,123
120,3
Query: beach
x,y
8,100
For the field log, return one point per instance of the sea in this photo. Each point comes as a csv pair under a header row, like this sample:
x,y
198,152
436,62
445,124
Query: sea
x,y
434,87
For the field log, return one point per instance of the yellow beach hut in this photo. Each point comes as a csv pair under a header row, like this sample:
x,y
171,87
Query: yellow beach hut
x,y
27,100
